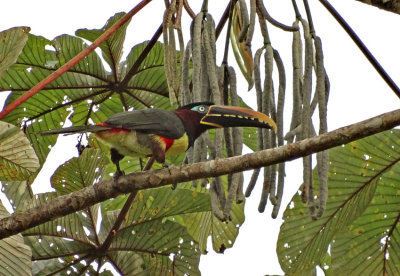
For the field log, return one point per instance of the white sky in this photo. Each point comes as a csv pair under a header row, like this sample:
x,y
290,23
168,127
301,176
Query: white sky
x,y
357,92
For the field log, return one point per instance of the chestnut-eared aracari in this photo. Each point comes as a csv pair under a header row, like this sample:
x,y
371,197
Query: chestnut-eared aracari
x,y
159,133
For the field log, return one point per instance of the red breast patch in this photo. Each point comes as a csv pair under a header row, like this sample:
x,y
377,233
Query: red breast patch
x,y
168,142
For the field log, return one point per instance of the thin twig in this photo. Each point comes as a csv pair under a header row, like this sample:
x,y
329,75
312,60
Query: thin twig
x,y
362,47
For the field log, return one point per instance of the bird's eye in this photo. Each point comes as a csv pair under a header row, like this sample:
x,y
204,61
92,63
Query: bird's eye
x,y
202,108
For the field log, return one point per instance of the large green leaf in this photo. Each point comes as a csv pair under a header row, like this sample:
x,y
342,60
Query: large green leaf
x,y
202,225
165,248
112,48
93,93
79,172
12,43
74,234
371,244
17,158
15,256
362,207
18,193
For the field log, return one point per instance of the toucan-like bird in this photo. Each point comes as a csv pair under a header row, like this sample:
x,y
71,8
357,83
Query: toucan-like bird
x,y
159,133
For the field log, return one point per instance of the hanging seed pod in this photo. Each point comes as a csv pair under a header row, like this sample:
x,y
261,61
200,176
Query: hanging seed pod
x,y
264,197
171,64
308,194
186,97
196,55
244,20
322,157
279,120
268,108
252,21
257,82
234,180
297,65
215,200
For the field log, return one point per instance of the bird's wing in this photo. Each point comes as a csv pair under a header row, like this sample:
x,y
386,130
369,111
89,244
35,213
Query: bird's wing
x,y
151,121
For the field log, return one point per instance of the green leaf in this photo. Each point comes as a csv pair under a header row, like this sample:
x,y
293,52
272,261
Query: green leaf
x,y
160,203
149,82
18,193
18,160
358,176
165,248
56,243
93,93
12,43
15,256
112,47
201,225
80,172
74,234
370,245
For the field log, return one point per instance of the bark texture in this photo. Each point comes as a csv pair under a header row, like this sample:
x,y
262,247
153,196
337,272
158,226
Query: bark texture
x,y
387,5
88,196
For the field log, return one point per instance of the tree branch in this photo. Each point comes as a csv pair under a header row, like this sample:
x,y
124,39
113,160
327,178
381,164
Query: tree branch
x,y
378,67
387,5
88,196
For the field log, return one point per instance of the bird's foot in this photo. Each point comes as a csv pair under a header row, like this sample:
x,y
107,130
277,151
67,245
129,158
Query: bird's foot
x,y
166,165
117,175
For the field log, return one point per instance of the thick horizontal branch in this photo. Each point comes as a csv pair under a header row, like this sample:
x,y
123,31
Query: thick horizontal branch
x,y
88,196
387,5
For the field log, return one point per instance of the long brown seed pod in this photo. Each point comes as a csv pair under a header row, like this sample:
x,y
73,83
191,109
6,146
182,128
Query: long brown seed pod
x,y
186,98
308,194
215,200
170,61
244,19
237,178
264,196
257,84
322,157
252,182
297,67
268,107
252,22
196,55
239,193
209,49
279,134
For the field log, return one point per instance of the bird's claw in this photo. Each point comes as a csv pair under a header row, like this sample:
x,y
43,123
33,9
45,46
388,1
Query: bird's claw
x,y
166,165
117,175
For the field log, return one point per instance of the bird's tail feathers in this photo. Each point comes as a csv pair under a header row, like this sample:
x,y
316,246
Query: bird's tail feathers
x,y
73,129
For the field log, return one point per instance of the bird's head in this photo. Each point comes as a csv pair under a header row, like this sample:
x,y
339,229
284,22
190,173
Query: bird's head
x,y
198,117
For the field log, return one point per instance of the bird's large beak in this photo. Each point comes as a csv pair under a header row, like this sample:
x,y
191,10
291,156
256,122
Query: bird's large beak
x,y
233,116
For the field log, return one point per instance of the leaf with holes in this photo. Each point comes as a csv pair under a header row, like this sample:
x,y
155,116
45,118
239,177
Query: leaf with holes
x,y
18,160
362,178
150,234
80,172
371,244
76,233
165,248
